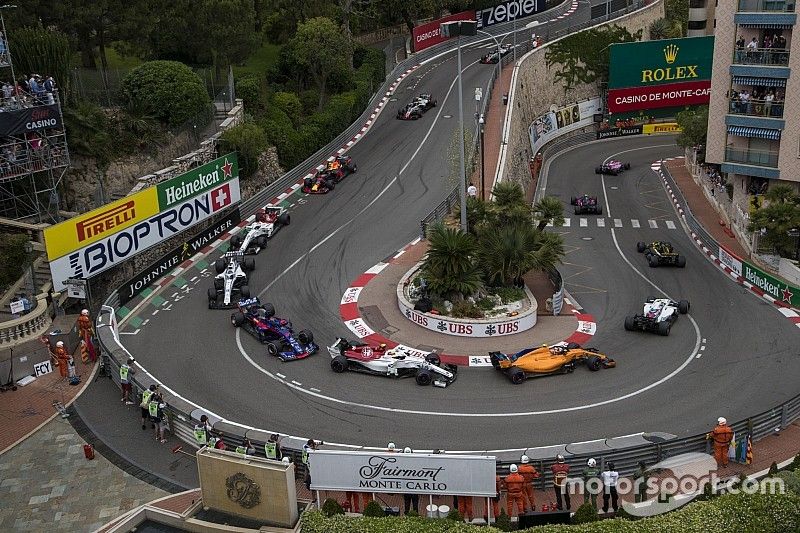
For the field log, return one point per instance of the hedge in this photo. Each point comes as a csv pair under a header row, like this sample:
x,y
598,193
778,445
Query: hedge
x,y
14,258
732,512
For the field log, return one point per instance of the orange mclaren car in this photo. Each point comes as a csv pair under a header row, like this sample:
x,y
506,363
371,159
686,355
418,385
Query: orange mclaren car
x,y
557,359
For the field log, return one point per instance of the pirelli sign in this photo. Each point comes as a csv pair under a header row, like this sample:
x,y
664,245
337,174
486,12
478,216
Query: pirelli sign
x,y
92,242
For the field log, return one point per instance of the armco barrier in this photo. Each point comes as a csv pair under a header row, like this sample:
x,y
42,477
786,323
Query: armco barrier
x,y
625,451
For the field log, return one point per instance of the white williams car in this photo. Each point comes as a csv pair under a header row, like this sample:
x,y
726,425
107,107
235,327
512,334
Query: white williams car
x,y
230,283
379,360
657,316
254,237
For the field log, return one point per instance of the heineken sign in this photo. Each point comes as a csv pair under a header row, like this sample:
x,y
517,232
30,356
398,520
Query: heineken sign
x,y
774,287
197,181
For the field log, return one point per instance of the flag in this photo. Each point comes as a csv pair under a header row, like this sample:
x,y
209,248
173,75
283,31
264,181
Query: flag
x,y
749,457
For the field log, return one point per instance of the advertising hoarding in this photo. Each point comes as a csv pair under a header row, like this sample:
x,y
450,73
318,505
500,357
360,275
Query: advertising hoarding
x,y
427,35
414,473
657,96
546,126
30,119
508,11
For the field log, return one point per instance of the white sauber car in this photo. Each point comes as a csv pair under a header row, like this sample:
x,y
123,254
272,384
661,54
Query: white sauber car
x,y
230,283
657,316
254,237
379,360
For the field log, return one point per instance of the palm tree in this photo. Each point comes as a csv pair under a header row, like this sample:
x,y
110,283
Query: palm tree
x,y
508,195
548,209
508,252
659,29
476,214
448,266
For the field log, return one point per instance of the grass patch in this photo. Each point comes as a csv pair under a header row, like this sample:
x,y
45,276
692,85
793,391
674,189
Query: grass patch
x,y
117,61
259,61
508,294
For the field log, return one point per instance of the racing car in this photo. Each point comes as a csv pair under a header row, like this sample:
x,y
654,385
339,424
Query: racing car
x,y
231,280
546,360
254,237
494,56
276,333
660,253
417,107
586,205
325,180
378,360
658,315
612,167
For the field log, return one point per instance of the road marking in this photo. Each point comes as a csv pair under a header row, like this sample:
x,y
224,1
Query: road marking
x,y
297,383
129,332
617,223
634,223
653,224
584,223
566,223
155,312
670,224
194,278
699,355
280,375
601,223
312,389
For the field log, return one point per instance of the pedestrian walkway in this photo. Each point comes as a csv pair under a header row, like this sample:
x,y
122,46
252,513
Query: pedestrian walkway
x,y
601,222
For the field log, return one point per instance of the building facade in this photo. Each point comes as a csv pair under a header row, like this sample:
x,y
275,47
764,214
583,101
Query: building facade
x,y
753,135
701,18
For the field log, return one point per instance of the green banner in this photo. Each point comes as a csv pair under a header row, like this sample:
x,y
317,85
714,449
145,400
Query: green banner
x,y
774,287
197,181
659,62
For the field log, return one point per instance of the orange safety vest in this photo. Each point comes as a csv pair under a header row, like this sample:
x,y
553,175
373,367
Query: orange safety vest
x,y
722,435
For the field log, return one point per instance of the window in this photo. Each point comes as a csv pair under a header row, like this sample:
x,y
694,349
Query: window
x,y
695,4
697,24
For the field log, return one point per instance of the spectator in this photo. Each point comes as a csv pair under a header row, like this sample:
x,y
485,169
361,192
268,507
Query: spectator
x,y
410,500
591,483
49,84
768,104
26,304
739,49
472,191
610,478
126,372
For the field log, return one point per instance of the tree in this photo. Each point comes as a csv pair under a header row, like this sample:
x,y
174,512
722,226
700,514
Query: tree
x,y
448,265
694,126
508,195
659,29
249,141
319,47
45,52
548,210
677,15
228,31
584,56
14,258
779,220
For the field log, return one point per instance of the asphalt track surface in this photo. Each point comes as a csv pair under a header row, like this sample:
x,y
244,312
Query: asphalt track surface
x,y
402,175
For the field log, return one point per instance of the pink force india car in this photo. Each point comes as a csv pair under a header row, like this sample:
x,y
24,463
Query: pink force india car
x,y
612,167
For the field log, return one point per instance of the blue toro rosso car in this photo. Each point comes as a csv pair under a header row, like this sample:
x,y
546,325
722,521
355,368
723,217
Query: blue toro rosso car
x,y
276,333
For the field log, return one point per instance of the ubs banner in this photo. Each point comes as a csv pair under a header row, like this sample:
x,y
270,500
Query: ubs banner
x,y
663,73
415,473
96,241
170,260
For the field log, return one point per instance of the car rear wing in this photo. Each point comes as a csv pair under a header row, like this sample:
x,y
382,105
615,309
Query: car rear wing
x,y
336,348
236,255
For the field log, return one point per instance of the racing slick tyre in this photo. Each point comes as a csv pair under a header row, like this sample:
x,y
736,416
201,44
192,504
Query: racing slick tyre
x,y
330,184
573,346
353,169
663,328
219,284
305,337
680,261
630,323
573,200
284,219
626,166
577,210
269,309
236,242
339,364
640,246
212,295
683,306
516,375
594,363
423,378
652,261
261,242
599,209
433,359
237,319
219,265
249,264
273,349
244,291
598,170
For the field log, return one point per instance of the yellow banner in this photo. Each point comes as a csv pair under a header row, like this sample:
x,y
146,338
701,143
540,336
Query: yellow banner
x,y
85,229
661,127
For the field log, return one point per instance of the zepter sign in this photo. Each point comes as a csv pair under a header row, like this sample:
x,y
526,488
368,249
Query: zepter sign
x,y
508,11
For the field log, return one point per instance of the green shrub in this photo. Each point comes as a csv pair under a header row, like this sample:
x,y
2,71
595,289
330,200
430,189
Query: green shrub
x,y
290,104
773,469
508,294
14,258
466,309
374,509
791,479
412,513
795,464
455,515
310,100
249,141
249,89
331,507
503,522
585,514
169,89
487,304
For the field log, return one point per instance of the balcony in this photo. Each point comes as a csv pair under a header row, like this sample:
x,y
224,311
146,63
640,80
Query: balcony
x,y
755,108
751,157
770,6
761,56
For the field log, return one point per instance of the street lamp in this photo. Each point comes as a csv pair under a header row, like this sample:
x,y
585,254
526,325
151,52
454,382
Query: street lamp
x,y
483,193
457,29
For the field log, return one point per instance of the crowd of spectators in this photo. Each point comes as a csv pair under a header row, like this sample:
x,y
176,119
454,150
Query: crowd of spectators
x,y
19,157
716,181
761,101
33,91
771,50
627,123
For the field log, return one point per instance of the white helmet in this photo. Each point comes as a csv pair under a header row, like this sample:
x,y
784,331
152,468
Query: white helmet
x,y
85,312
513,469
406,450
721,420
60,344
392,446
285,460
524,459
560,458
592,462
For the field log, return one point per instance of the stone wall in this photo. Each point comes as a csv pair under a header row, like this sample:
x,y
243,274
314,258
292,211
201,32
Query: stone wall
x,y
533,93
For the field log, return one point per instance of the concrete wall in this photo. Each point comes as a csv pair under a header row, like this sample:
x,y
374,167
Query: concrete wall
x,y
724,42
533,93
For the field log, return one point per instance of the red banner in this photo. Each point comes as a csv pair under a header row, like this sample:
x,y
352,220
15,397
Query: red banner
x,y
655,96
428,34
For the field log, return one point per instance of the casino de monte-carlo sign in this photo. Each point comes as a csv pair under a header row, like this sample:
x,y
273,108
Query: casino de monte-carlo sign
x,y
412,473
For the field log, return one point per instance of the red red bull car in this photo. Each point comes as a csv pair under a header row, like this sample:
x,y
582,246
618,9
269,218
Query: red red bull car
x,y
325,180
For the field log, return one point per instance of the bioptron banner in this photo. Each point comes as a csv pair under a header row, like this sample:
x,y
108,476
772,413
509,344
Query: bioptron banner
x,y
416,473
427,35
663,73
88,244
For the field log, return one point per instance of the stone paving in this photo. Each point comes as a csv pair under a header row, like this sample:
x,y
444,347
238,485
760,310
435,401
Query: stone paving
x,y
47,484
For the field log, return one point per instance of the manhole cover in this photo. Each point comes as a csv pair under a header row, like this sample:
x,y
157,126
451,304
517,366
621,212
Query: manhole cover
x,y
586,238
392,99
614,188
447,116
